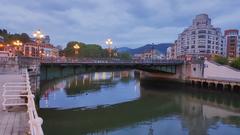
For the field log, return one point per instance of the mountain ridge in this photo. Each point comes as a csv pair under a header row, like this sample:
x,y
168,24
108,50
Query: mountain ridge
x,y
162,48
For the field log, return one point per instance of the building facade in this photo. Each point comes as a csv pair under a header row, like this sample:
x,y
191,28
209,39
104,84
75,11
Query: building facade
x,y
201,39
172,51
232,43
149,55
32,49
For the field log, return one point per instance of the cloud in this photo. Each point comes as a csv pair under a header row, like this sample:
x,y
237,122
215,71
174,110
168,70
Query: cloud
x,y
135,22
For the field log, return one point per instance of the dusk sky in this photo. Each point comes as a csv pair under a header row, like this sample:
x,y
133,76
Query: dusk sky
x,y
130,23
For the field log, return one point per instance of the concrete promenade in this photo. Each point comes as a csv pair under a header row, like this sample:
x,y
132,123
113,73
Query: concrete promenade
x,y
14,121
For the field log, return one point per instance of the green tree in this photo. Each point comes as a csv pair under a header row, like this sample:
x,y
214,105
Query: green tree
x,y
125,56
69,50
221,60
236,63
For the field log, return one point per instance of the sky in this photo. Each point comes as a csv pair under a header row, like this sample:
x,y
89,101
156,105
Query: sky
x,y
129,23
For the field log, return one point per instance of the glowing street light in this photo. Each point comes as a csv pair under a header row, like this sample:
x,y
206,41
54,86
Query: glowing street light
x,y
76,48
109,44
17,43
38,36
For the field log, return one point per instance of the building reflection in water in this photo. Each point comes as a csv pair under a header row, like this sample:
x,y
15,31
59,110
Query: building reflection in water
x,y
162,109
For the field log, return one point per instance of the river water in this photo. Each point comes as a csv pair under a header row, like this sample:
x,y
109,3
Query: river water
x,y
120,103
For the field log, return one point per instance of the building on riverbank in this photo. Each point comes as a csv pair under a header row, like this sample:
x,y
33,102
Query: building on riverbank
x,y
201,39
232,43
32,49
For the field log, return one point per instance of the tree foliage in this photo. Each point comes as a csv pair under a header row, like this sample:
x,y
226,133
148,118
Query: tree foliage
x,y
236,63
9,38
125,56
91,51
221,60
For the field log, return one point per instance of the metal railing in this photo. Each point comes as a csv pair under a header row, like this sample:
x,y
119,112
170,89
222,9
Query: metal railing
x,y
21,92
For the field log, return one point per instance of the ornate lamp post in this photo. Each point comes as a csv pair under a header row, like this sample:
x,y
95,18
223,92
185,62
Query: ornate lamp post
x,y
76,48
38,37
17,43
109,44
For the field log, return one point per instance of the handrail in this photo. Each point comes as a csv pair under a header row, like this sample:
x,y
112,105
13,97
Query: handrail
x,y
35,121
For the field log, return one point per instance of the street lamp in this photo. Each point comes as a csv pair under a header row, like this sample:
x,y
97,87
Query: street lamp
x,y
1,47
38,37
76,48
17,43
109,43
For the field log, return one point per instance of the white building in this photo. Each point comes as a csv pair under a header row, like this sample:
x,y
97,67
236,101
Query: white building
x,y
200,39
238,49
1,39
168,55
149,55
172,51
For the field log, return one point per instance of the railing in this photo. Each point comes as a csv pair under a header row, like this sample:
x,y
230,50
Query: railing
x,y
26,61
17,91
107,60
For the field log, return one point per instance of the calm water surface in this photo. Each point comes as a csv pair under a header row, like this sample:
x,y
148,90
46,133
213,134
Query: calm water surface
x,y
119,103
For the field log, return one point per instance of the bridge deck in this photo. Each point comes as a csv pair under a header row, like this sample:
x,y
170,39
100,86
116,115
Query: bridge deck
x,y
12,122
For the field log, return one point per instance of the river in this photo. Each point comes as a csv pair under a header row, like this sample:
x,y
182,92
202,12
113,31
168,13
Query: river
x,y
120,103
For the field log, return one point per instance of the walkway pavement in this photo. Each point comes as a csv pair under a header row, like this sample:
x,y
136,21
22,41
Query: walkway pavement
x,y
12,122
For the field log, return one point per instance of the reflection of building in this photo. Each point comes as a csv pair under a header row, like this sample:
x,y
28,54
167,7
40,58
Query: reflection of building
x,y
200,39
199,113
232,37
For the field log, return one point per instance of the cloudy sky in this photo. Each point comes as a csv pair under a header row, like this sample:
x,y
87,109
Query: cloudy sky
x,y
130,23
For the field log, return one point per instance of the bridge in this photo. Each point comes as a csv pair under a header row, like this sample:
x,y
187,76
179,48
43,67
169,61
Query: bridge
x,y
70,66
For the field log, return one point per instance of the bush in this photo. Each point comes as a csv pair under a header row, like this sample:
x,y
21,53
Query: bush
x,y
221,60
236,63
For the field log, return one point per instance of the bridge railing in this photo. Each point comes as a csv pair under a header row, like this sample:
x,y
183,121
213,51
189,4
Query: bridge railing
x,y
24,61
105,60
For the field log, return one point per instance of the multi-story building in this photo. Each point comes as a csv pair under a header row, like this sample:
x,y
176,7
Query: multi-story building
x,y
1,39
201,39
172,51
238,50
232,43
169,51
149,55
32,49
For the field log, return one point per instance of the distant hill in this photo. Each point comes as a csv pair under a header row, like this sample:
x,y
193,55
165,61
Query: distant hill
x,y
160,47
123,49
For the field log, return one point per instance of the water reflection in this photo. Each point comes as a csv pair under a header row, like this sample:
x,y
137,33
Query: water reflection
x,y
91,90
156,107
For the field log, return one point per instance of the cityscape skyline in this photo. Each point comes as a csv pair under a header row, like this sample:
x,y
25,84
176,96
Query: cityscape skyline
x,y
130,23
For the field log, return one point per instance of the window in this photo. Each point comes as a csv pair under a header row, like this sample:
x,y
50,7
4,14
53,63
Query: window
x,y
201,31
202,36
201,46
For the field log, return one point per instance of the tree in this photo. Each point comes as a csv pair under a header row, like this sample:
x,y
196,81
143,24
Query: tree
x,y
221,60
69,50
236,63
125,56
